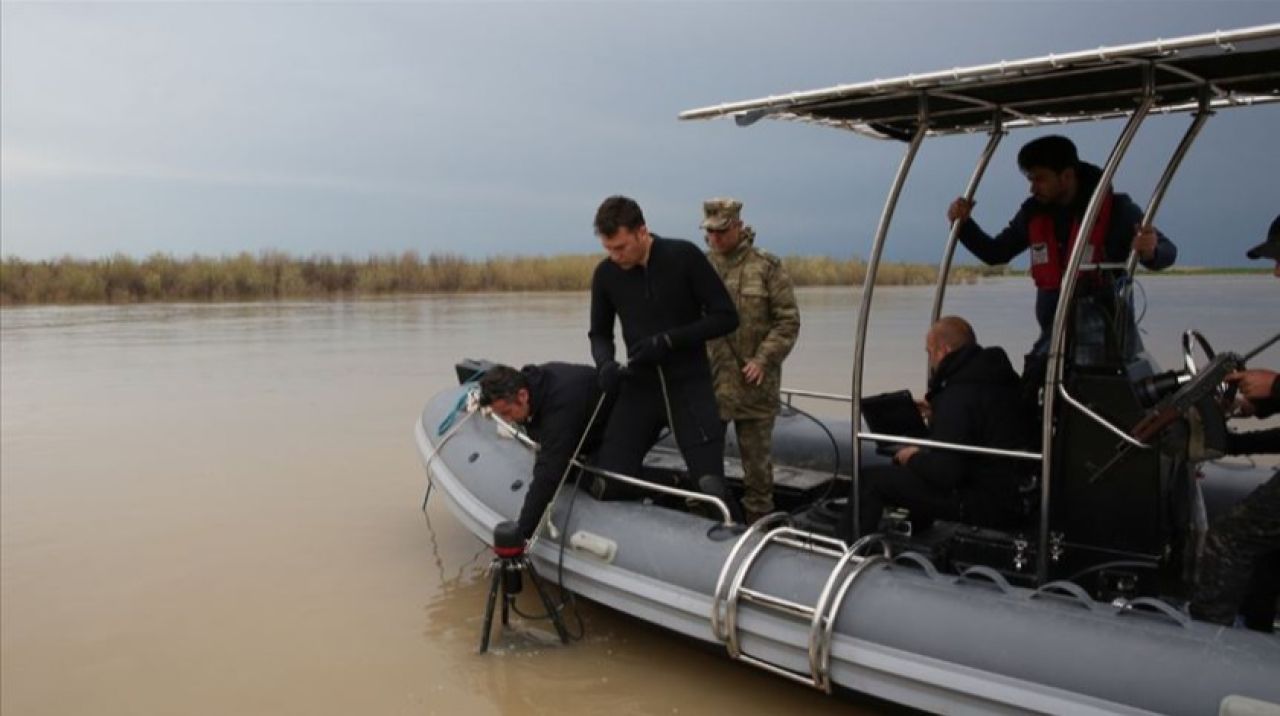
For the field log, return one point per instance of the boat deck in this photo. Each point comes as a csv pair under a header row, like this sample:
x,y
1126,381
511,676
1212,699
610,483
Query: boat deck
x,y
801,480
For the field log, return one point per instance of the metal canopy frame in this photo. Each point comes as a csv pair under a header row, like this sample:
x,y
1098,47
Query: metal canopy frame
x,y
1239,67
1200,73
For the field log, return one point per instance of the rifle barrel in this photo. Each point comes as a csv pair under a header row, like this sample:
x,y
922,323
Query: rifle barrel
x,y
1265,345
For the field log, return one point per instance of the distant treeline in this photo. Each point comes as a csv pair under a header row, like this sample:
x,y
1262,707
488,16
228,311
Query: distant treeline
x,y
276,275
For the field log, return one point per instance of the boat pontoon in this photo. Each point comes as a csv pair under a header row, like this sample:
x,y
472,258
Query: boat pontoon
x,y
1078,612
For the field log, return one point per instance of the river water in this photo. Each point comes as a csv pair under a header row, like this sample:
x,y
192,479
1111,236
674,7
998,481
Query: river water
x,y
211,509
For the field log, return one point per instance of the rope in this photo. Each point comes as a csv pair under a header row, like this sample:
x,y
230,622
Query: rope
x,y
463,404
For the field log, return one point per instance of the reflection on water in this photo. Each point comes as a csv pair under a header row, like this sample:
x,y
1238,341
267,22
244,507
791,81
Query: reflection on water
x,y
214,508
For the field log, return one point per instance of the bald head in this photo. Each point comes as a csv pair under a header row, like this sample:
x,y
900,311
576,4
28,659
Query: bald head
x,y
949,334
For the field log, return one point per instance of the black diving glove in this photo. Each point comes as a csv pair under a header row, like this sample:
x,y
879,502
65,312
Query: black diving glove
x,y
608,375
650,350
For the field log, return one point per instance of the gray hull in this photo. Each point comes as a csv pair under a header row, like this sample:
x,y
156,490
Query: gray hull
x,y
902,632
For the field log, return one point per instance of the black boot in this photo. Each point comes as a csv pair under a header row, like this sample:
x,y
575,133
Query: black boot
x,y
715,486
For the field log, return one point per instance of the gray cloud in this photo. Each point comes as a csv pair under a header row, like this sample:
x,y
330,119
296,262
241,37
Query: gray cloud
x,y
485,128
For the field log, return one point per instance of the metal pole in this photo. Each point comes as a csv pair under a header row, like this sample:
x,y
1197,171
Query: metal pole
x,y
944,268
864,308
1149,216
1053,371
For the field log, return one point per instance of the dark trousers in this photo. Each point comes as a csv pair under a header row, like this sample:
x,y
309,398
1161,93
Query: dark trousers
x,y
641,412
1240,567
893,486
1261,600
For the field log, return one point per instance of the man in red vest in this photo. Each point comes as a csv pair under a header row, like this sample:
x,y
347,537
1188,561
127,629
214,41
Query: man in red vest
x,y
1048,221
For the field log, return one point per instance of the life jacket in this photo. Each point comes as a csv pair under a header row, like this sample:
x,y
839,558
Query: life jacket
x,y
1047,262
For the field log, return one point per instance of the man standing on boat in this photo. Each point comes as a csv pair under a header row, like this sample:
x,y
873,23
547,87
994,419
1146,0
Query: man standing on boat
x,y
746,365
555,404
973,399
1047,223
670,302
1240,567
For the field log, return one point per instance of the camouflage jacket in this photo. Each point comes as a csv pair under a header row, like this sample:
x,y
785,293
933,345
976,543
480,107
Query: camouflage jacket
x,y
769,323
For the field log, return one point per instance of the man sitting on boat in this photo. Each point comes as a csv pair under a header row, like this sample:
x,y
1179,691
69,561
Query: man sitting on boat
x,y
973,400
1047,223
554,402
670,302
1240,568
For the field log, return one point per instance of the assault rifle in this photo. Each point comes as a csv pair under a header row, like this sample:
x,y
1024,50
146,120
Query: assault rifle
x,y
1193,391
1186,393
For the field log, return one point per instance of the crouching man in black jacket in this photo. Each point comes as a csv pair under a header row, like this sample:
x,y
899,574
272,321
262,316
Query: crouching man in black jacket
x,y
974,400
554,403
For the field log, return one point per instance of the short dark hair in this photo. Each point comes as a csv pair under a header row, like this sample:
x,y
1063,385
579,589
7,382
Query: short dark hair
x,y
1054,152
501,382
618,212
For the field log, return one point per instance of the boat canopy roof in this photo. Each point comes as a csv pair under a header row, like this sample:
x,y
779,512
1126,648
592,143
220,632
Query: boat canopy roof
x,y
1221,69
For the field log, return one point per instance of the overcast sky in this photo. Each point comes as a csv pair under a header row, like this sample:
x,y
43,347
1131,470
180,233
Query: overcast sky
x,y
488,128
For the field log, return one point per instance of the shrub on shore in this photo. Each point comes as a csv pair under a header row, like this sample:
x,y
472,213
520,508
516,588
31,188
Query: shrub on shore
x,y
276,275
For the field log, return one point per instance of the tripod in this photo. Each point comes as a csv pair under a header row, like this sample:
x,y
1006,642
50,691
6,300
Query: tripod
x,y
507,566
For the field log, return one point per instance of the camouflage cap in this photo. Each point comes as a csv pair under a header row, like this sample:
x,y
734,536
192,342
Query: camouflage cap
x,y
718,213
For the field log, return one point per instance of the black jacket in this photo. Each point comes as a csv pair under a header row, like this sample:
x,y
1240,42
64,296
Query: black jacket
x,y
677,292
1266,407
1015,237
561,398
974,394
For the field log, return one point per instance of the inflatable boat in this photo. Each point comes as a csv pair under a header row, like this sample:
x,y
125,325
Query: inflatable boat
x,y
1081,610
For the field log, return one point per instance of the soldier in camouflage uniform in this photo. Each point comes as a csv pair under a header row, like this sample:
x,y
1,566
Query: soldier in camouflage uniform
x,y
1240,567
747,364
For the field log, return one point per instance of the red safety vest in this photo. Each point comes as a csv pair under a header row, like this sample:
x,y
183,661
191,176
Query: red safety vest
x,y
1047,262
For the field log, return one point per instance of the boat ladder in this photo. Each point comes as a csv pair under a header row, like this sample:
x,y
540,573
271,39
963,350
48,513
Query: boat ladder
x,y
850,563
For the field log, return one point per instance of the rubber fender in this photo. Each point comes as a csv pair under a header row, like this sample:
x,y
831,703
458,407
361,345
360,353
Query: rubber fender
x,y
1245,706
594,544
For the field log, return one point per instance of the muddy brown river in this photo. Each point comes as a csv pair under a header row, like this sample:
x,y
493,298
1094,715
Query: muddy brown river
x,y
213,509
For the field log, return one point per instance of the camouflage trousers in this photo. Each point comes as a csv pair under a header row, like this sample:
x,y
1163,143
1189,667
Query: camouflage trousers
x,y
1240,561
755,441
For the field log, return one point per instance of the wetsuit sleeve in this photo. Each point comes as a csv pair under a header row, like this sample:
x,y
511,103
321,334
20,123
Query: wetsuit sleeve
x,y
1266,407
602,320
784,319
559,438
1125,215
998,249
719,315
944,468
1255,442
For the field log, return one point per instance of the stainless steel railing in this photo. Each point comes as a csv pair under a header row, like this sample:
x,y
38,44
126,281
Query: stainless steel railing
x,y
521,437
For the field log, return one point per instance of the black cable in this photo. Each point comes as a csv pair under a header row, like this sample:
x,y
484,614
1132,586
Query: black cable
x,y
1143,290
1123,291
835,447
515,608
567,598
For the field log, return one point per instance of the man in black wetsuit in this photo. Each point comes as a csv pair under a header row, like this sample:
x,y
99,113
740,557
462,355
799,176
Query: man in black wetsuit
x,y
670,302
554,402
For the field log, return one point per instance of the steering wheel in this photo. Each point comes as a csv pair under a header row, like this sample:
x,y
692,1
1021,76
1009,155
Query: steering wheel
x,y
1188,359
